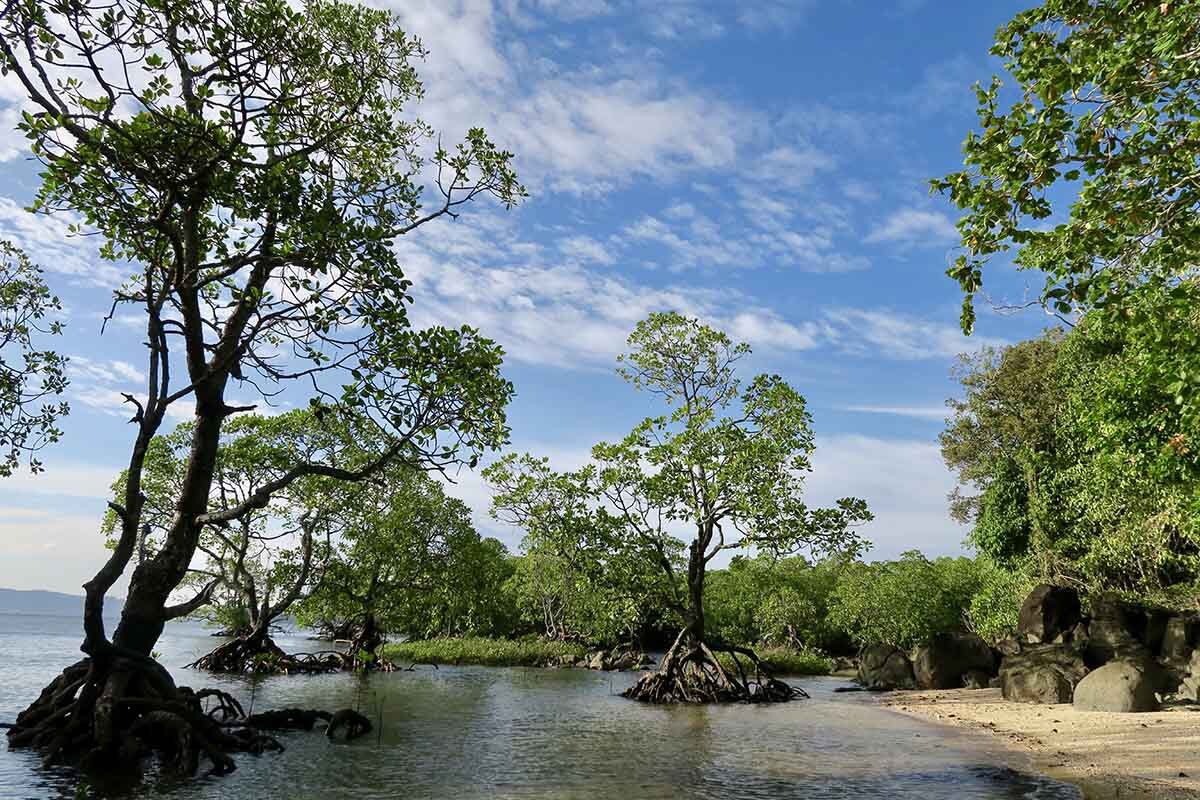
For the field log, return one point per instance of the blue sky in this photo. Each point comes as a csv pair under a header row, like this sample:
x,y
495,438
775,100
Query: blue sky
x,y
762,165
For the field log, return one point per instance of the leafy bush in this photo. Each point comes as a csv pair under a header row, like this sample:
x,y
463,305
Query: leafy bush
x,y
528,652
904,602
996,603
786,661
773,601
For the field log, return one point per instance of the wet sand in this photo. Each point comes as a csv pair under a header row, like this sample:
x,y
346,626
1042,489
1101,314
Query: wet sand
x,y
1125,756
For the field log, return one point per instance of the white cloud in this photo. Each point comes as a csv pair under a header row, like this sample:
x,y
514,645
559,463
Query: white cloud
x,y
944,86
585,249
61,477
82,368
790,166
881,332
914,226
905,484
46,240
51,549
917,412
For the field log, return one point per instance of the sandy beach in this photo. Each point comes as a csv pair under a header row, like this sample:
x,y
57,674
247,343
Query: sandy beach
x,y
1108,755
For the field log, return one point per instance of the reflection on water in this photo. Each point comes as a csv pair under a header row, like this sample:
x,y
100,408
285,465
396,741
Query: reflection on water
x,y
513,733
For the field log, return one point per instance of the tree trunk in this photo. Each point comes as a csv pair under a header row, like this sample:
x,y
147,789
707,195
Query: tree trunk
x,y
690,671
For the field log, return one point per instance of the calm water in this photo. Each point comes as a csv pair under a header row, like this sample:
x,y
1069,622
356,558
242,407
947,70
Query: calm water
x,y
513,733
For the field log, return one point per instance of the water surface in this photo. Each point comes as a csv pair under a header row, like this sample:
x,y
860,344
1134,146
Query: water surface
x,y
475,732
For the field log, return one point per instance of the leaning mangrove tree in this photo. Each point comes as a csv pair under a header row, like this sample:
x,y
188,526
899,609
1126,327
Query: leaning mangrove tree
x,y
249,165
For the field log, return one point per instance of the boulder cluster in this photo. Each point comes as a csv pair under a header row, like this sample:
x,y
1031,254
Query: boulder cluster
x,y
1120,656
615,660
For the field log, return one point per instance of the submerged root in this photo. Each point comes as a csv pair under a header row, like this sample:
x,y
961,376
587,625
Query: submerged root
x,y
691,673
112,713
262,656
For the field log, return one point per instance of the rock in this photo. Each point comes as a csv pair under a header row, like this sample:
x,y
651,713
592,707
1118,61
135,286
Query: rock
x,y
596,660
976,679
1189,687
1179,638
1155,629
884,667
841,664
622,661
994,683
942,662
1122,686
1008,647
1116,632
1048,613
1044,673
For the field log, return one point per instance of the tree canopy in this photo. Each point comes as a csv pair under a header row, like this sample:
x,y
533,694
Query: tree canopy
x,y
30,377
248,164
1079,463
1088,170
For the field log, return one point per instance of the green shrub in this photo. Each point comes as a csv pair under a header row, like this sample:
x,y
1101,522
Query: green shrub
x,y
785,661
904,602
996,604
528,652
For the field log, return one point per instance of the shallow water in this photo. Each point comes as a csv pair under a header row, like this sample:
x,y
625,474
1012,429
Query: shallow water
x,y
474,732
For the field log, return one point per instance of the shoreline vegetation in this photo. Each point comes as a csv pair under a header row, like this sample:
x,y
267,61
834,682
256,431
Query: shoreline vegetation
x,y
1107,755
535,652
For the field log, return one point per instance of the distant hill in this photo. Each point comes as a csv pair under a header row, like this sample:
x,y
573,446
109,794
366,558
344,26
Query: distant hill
x,y
37,601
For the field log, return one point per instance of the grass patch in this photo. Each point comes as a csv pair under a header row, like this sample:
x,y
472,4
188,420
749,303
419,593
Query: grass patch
x,y
485,652
787,661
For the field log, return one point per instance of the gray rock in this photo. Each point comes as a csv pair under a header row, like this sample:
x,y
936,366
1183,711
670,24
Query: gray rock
x,y
1048,613
884,667
1189,688
1044,673
942,662
1121,686
1116,632
596,660
622,661
976,679
1008,647
1179,637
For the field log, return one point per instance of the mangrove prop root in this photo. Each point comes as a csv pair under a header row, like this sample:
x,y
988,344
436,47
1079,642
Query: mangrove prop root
x,y
691,673
261,656
354,723
111,712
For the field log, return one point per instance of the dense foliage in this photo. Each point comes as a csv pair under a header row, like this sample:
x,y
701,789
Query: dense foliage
x,y
409,562
1088,170
781,602
581,576
31,377
904,602
1073,459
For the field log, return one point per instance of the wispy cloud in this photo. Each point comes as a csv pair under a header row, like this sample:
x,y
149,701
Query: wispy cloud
x,y
917,412
901,336
915,226
905,483
48,243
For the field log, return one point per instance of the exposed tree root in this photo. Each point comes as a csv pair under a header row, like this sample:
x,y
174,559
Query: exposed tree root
x,y
691,673
262,656
115,711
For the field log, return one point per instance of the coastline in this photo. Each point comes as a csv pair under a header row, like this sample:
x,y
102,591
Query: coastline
x,y
1129,756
